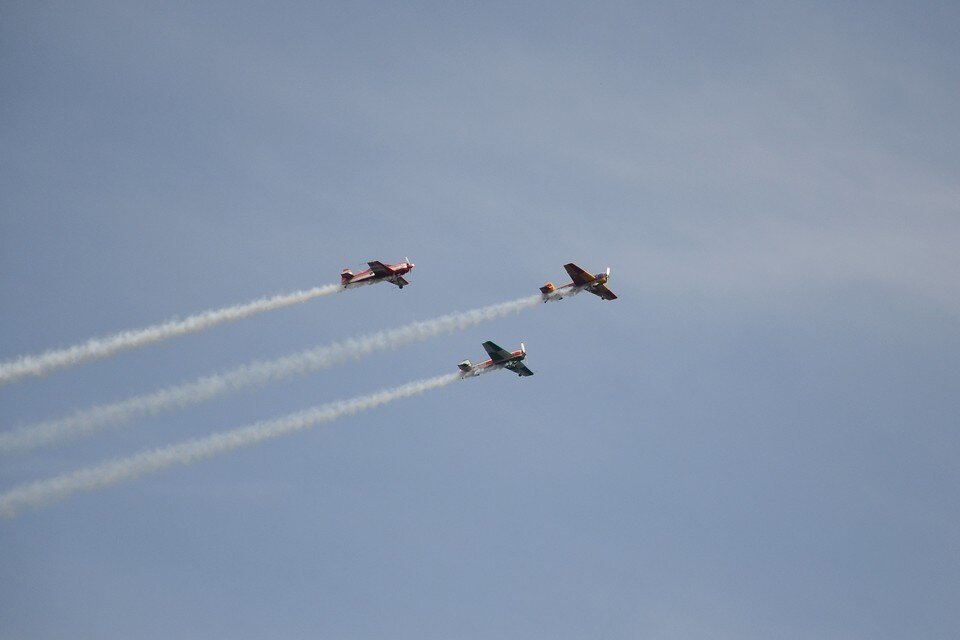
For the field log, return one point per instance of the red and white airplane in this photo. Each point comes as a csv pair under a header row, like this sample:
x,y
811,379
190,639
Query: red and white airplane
x,y
500,358
377,272
582,280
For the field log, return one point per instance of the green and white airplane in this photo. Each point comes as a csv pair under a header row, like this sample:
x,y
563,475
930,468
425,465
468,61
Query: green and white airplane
x,y
500,358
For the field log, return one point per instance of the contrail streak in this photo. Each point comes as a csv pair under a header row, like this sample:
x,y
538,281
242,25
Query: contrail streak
x,y
42,492
96,348
256,373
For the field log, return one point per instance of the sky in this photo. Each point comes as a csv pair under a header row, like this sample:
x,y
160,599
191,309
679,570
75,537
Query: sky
x,y
757,439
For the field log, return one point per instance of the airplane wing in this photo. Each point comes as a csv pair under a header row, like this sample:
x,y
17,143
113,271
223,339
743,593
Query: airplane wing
x,y
401,282
578,275
519,368
602,291
379,268
496,353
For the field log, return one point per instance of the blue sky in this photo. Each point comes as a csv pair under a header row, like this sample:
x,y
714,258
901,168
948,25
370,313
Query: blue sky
x,y
758,439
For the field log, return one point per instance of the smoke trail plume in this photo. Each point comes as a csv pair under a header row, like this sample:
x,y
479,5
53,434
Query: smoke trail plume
x,y
37,494
256,373
560,294
96,348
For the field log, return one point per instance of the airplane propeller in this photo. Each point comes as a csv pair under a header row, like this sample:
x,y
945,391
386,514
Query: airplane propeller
x,y
608,272
523,349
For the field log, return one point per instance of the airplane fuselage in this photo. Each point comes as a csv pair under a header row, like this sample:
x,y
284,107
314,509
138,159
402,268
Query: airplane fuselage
x,y
572,289
468,370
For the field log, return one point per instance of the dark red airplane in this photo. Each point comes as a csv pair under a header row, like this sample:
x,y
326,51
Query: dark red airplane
x,y
376,273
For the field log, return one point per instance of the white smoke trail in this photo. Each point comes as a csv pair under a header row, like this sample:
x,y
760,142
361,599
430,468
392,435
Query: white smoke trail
x,y
479,372
42,492
256,373
96,348
560,294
